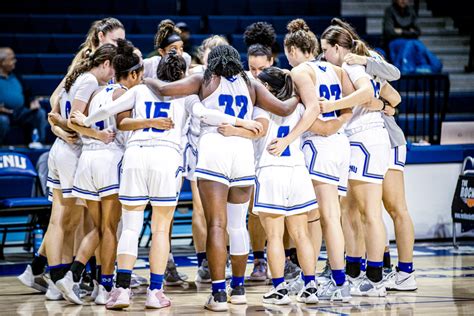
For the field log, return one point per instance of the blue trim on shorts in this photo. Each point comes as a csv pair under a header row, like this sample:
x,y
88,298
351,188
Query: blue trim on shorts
x,y
180,169
366,153
276,206
67,190
53,180
341,188
108,188
83,191
396,161
212,173
119,169
313,161
164,199
133,198
247,178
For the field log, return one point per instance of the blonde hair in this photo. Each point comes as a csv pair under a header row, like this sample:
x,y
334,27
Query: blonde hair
x,y
210,43
300,36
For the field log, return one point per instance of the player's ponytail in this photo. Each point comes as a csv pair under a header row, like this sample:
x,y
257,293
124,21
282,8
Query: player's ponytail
x,y
224,61
359,48
338,35
103,53
278,82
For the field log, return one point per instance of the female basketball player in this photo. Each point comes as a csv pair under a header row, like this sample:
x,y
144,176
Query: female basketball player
x,y
368,139
225,169
259,38
283,193
393,195
156,180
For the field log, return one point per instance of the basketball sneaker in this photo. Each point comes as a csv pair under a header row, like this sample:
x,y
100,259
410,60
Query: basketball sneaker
x,y
278,295
296,285
292,271
236,295
217,302
53,293
34,281
308,294
330,291
102,295
203,274
156,299
400,281
259,272
71,290
119,298
368,288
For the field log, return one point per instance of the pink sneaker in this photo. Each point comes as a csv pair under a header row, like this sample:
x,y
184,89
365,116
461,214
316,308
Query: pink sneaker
x,y
156,299
119,298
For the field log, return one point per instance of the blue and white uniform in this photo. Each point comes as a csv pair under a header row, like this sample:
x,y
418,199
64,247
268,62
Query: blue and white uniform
x,y
152,163
283,185
327,157
98,170
228,160
63,157
370,144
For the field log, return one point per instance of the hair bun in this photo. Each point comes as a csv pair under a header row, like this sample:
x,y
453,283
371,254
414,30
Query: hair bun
x,y
260,33
124,47
296,25
166,25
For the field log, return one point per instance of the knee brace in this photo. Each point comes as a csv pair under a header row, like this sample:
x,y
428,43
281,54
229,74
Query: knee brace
x,y
132,223
237,228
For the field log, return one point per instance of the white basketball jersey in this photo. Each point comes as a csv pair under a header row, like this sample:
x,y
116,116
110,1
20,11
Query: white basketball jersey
x,y
231,97
362,116
101,99
66,98
278,127
148,105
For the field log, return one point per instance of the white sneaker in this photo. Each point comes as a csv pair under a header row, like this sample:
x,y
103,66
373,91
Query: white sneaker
x,y
53,293
156,299
296,285
369,288
354,282
102,295
119,298
203,274
34,281
308,294
400,281
95,291
278,295
70,289
138,280
330,291
217,302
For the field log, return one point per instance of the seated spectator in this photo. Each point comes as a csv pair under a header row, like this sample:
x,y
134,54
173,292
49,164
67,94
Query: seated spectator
x,y
401,32
15,105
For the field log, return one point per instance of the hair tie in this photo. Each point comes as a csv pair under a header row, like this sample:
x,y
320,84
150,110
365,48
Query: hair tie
x,y
353,43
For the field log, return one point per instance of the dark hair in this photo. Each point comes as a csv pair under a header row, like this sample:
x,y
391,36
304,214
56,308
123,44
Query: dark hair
x,y
279,82
224,60
259,33
339,35
300,36
92,40
166,28
102,54
260,50
126,61
172,67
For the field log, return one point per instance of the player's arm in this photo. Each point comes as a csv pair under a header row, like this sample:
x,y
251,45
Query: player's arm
x,y
229,130
330,127
125,122
305,85
186,86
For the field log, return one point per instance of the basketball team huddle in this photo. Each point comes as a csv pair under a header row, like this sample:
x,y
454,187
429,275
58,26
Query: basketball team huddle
x,y
307,155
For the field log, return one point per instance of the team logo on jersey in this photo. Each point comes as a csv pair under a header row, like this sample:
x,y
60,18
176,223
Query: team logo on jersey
x,y
231,79
322,68
467,193
353,168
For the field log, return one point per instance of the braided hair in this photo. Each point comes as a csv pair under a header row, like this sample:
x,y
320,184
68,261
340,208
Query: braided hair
x,y
126,61
224,60
102,54
172,67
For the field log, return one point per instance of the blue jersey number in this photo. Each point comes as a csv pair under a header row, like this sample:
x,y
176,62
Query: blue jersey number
x,y
326,92
241,102
282,132
376,86
100,125
159,110
68,109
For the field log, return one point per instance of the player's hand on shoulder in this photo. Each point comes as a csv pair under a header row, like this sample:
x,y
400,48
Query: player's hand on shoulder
x,y
354,59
